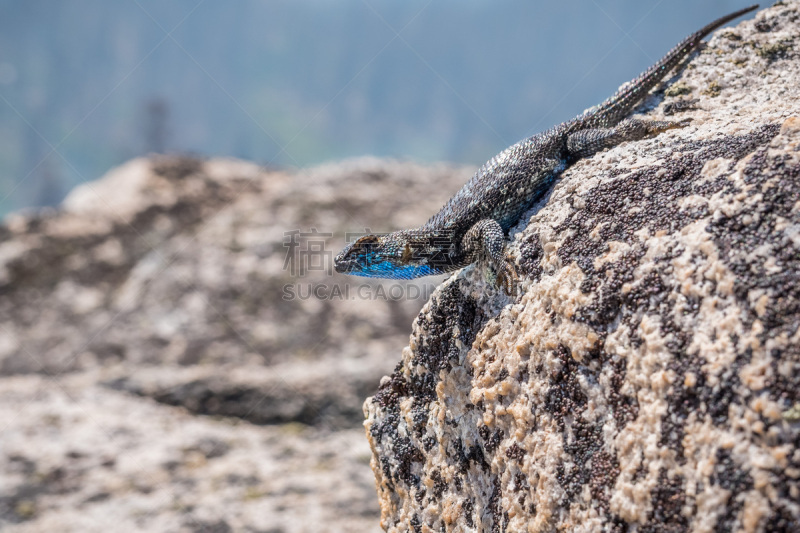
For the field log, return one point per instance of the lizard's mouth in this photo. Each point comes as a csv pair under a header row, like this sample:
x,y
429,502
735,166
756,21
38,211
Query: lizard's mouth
x,y
345,266
346,263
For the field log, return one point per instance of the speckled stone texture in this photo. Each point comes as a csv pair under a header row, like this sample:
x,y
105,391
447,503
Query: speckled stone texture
x,y
647,378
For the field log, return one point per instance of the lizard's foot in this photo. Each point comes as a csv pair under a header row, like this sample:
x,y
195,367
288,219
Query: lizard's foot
x,y
507,277
657,126
486,239
679,106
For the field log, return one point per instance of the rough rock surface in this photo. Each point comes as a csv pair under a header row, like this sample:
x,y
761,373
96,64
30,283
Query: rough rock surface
x,y
155,295
648,376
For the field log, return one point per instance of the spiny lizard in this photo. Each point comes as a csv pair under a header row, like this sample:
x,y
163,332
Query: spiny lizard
x,y
474,223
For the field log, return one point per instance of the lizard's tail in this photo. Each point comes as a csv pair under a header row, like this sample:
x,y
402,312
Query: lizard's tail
x,y
616,108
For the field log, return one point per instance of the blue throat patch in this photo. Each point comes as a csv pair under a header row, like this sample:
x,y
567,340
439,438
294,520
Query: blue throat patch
x,y
386,269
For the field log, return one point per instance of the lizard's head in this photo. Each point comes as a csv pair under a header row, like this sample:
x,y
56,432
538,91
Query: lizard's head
x,y
392,256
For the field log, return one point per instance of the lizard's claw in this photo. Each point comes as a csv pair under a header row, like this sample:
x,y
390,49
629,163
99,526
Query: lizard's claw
x,y
507,277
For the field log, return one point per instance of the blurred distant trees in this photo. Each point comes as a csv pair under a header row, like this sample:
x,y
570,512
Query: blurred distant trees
x,y
155,127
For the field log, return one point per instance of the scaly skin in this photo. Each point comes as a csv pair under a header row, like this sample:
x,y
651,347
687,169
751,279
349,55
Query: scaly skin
x,y
474,223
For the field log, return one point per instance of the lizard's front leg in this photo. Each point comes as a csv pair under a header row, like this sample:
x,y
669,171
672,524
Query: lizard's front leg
x,y
486,239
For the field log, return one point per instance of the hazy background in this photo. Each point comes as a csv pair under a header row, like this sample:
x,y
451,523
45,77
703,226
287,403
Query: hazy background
x,y
88,84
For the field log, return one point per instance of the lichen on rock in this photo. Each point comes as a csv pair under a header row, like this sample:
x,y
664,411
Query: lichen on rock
x,y
642,380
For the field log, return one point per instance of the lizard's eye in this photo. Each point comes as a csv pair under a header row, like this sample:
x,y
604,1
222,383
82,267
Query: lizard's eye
x,y
366,241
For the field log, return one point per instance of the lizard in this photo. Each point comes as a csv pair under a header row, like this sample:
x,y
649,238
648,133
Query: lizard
x,y
474,223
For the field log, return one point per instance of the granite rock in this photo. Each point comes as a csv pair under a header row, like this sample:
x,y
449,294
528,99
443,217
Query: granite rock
x,y
647,376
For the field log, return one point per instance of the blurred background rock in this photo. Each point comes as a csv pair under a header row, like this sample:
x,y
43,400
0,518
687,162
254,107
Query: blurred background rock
x,y
158,293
